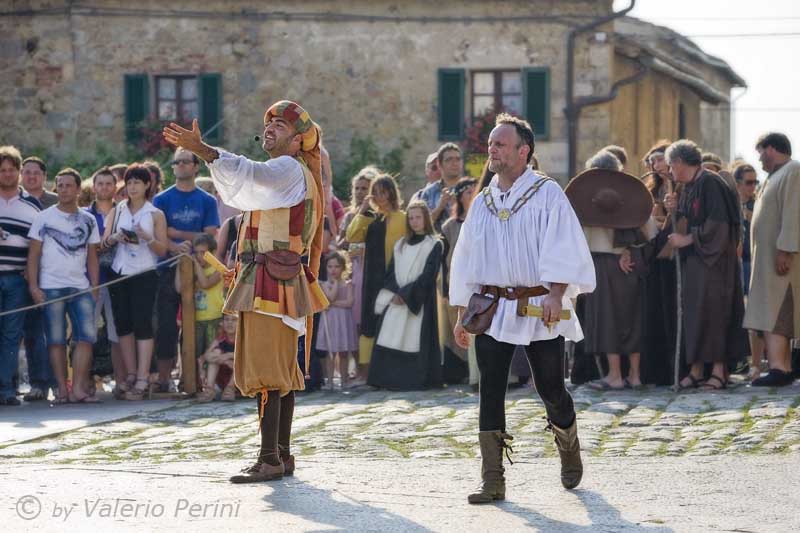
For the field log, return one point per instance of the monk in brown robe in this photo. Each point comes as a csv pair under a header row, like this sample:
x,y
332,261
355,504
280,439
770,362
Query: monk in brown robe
x,y
713,301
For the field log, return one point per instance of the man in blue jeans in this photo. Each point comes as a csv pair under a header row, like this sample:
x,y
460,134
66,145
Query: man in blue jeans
x,y
63,248
17,212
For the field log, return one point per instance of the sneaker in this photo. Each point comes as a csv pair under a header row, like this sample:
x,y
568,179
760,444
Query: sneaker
x,y
774,378
34,395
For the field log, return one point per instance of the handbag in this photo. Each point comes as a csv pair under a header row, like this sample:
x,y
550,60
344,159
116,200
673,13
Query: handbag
x,y
480,311
106,256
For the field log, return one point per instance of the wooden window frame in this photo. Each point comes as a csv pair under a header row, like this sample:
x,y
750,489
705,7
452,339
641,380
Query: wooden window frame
x,y
179,100
498,88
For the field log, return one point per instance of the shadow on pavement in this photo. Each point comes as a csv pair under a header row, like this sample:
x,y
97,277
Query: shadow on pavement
x,y
603,516
331,508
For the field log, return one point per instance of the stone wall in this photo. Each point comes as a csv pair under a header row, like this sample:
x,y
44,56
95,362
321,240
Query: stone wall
x,y
62,86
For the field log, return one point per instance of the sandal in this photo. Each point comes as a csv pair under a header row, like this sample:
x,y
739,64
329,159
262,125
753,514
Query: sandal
x,y
707,386
137,393
693,383
603,385
228,393
84,399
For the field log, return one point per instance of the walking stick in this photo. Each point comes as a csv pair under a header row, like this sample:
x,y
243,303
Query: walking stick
x,y
679,296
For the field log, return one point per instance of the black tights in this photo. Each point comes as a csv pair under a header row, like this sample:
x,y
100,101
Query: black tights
x,y
276,426
547,365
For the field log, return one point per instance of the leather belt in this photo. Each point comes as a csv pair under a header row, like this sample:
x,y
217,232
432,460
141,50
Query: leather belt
x,y
521,295
250,257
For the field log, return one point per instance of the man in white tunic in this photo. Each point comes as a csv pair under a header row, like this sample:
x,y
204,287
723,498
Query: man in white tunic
x,y
773,305
521,238
274,294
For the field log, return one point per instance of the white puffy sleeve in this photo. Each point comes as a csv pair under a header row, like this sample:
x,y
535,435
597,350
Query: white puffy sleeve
x,y
463,266
252,185
564,256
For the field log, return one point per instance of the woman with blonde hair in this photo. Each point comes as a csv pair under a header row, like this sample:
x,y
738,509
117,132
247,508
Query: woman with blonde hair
x,y
379,224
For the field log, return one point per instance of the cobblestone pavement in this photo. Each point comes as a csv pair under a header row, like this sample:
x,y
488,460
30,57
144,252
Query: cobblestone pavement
x,y
439,424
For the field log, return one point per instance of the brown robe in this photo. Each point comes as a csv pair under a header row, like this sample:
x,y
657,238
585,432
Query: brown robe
x,y
713,301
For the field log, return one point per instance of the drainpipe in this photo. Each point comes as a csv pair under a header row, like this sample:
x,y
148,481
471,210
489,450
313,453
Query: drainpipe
x,y
573,109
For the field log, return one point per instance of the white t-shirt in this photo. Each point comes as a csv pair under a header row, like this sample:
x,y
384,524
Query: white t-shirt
x,y
65,238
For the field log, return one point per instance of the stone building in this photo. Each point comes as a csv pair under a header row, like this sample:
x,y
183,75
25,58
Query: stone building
x,y
401,73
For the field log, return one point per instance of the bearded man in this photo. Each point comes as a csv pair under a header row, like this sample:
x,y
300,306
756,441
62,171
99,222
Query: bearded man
x,y
274,294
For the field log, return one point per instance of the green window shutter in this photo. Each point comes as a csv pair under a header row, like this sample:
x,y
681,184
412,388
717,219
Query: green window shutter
x,y
210,94
536,99
451,104
137,104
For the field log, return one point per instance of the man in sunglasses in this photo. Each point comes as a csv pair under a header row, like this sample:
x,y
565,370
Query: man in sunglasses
x,y
189,211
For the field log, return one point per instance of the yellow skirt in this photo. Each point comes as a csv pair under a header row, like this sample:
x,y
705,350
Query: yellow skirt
x,y
265,356
365,345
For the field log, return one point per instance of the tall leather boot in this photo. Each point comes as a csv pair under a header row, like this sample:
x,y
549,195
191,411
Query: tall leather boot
x,y
493,482
569,448
268,466
285,433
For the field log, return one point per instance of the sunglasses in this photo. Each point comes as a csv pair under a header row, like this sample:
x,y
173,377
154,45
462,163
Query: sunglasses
x,y
182,162
750,182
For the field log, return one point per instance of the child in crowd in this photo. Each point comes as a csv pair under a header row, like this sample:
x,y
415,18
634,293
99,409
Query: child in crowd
x,y
219,354
337,330
208,299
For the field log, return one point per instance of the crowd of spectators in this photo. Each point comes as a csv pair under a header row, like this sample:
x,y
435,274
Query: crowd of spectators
x,y
384,270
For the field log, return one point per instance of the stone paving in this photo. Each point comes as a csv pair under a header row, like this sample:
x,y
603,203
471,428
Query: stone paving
x,y
439,424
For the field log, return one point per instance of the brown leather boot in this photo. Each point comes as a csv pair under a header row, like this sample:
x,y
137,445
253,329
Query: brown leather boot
x,y
259,472
288,461
569,448
493,483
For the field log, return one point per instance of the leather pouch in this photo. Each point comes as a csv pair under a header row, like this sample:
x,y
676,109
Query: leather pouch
x,y
282,265
480,312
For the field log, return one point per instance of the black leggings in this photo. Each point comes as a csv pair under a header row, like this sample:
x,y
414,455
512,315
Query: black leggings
x,y
132,303
547,364
167,302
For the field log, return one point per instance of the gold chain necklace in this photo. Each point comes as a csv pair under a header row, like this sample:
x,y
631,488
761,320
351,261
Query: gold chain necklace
x,y
504,214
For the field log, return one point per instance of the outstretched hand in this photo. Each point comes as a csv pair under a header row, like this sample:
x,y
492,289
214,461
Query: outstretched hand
x,y
191,140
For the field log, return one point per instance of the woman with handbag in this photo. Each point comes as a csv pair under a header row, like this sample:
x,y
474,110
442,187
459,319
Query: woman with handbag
x,y
139,235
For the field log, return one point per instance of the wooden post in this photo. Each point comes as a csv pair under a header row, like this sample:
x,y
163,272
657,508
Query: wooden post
x,y
188,360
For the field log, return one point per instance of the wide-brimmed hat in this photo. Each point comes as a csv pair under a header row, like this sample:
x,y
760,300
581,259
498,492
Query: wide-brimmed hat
x,y
609,199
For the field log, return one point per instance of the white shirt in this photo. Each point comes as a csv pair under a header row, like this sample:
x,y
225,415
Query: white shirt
x,y
542,243
134,258
65,238
255,186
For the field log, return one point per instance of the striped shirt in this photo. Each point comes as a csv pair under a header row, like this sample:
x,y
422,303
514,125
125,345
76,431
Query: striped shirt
x,y
16,217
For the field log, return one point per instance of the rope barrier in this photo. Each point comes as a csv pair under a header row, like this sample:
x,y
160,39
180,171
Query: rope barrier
x,y
169,262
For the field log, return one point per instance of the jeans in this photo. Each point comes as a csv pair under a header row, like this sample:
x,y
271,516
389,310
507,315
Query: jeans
x,y
40,373
13,295
547,362
81,315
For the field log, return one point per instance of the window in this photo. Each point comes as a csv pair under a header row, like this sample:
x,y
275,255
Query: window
x,y
497,90
524,92
177,99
